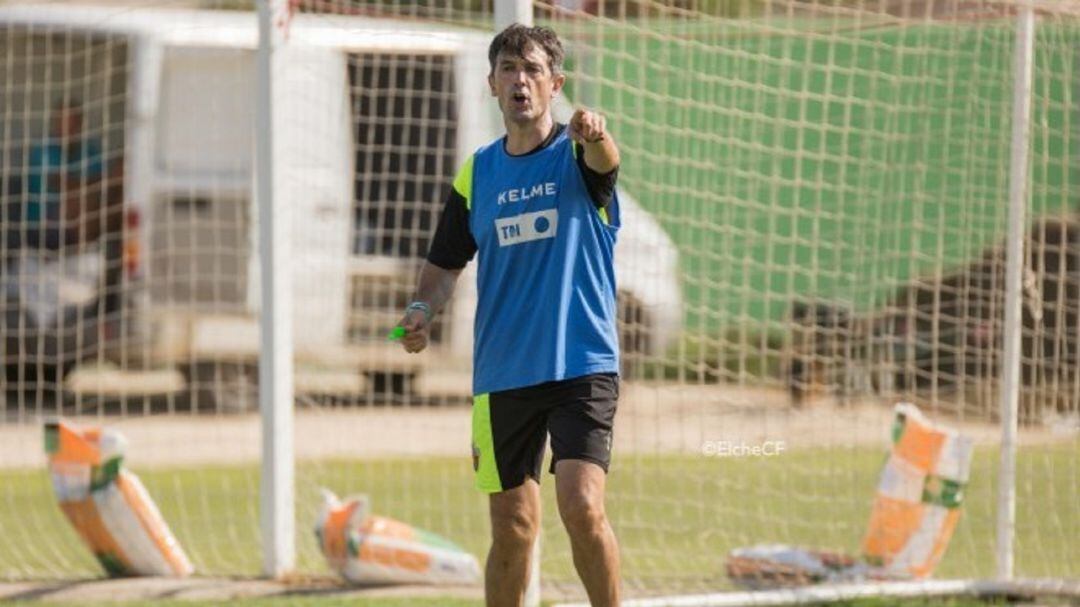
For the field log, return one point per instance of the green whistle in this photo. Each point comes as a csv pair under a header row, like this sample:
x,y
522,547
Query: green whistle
x,y
396,333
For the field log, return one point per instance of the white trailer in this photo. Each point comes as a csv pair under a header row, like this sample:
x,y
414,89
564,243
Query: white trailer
x,y
376,116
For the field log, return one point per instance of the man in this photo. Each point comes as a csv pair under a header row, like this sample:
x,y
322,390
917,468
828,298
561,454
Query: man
x,y
539,205
64,168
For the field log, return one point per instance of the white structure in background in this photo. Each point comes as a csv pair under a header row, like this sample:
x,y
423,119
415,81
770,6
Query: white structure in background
x,y
188,157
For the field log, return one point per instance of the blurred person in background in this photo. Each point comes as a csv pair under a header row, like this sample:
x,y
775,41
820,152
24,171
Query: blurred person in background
x,y
65,167
73,193
63,251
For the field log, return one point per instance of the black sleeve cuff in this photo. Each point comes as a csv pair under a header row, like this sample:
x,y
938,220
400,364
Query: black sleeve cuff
x,y
453,245
601,186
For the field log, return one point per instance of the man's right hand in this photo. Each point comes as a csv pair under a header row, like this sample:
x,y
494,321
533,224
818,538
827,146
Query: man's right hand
x,y
416,331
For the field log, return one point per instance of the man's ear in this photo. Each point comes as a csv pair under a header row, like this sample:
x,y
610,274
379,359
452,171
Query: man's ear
x,y
491,85
558,82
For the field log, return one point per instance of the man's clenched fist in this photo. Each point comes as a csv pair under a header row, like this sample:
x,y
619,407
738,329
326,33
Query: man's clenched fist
x,y
587,127
416,331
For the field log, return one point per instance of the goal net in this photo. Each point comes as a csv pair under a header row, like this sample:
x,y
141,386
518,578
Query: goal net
x,y
835,178
814,201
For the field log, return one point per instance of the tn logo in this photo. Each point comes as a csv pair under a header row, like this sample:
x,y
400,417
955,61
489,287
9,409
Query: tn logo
x,y
527,227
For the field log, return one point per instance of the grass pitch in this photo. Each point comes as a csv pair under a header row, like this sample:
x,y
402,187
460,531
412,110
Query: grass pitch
x,y
676,516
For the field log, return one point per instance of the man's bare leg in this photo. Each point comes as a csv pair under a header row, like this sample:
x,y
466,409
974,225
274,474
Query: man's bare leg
x,y
579,486
515,522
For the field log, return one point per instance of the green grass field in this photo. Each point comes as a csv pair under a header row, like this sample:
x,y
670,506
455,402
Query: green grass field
x,y
676,517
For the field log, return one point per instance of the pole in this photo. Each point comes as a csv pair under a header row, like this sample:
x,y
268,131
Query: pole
x,y
1010,372
509,12
276,488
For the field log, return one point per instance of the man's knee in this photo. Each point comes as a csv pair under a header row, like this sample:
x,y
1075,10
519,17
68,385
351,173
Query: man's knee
x,y
514,529
580,488
515,520
582,513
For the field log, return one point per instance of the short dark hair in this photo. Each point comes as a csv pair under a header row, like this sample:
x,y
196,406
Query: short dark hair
x,y
517,39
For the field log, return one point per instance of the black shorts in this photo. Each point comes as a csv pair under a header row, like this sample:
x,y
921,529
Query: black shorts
x,y
509,428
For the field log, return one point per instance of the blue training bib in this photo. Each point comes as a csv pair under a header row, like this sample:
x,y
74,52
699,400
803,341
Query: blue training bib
x,y
546,276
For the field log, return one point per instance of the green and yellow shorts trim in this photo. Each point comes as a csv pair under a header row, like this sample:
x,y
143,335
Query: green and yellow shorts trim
x,y
511,427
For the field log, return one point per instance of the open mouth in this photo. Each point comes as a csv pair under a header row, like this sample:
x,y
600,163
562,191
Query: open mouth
x,y
520,98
